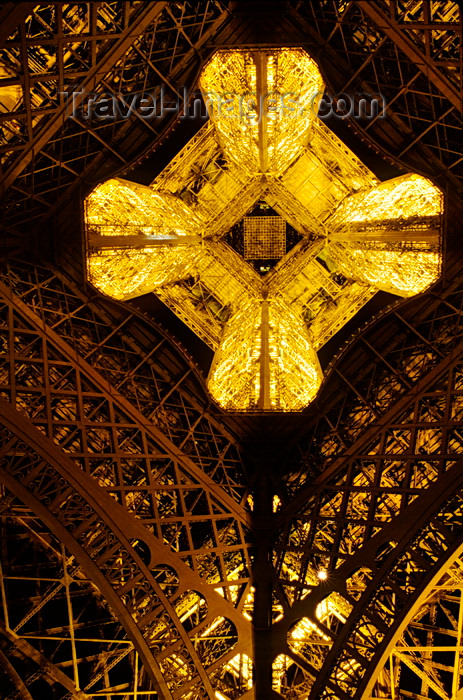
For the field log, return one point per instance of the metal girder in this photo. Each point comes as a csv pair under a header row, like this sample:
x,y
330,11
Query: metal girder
x,y
140,420
55,673
143,17
93,569
171,79
430,644
422,674
11,15
99,533
358,61
9,668
390,417
428,519
393,30
372,592
57,629
403,459
97,241
166,53
118,447
190,380
164,444
375,371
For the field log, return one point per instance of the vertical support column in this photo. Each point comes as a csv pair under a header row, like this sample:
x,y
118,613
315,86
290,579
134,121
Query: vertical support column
x,y
135,677
392,675
263,578
264,394
4,601
456,665
262,90
67,582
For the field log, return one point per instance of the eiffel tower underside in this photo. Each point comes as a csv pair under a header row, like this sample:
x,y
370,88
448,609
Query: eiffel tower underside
x,y
152,544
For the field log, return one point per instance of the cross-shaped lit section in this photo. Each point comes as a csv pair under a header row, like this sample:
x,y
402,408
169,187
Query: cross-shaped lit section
x,y
264,143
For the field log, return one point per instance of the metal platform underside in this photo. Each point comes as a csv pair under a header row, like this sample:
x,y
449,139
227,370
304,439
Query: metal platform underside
x,y
153,544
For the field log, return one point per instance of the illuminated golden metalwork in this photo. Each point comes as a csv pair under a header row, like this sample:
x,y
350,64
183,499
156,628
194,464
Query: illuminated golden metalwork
x,y
264,143
262,104
427,655
264,237
388,236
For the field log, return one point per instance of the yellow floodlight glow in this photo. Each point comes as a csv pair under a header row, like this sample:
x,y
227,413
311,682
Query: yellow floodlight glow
x,y
399,199
388,236
120,206
264,142
262,104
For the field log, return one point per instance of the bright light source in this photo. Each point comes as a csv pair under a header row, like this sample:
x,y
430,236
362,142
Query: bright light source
x,y
357,235
219,696
322,575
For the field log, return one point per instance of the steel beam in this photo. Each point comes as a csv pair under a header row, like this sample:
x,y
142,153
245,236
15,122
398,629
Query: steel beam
x,y
55,674
136,26
12,15
215,489
121,528
428,517
358,447
395,32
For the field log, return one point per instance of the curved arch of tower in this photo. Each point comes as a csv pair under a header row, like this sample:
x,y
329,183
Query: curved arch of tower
x,y
231,350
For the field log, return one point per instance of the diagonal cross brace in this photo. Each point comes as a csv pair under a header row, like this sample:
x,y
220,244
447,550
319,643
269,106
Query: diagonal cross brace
x,y
423,62
217,492
134,28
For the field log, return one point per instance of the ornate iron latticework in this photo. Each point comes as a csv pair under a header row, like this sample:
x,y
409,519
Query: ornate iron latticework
x,y
265,330
119,47
393,455
428,651
153,546
176,485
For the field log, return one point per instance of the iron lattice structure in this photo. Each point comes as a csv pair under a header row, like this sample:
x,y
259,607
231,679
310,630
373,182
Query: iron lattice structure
x,y
153,546
265,330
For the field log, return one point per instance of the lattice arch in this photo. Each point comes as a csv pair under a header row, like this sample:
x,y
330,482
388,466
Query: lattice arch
x,y
128,565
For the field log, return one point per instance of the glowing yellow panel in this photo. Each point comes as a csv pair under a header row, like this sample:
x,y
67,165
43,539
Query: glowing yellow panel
x,y
388,236
357,235
262,104
117,209
400,271
265,360
295,375
234,378
394,200
121,207
126,273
